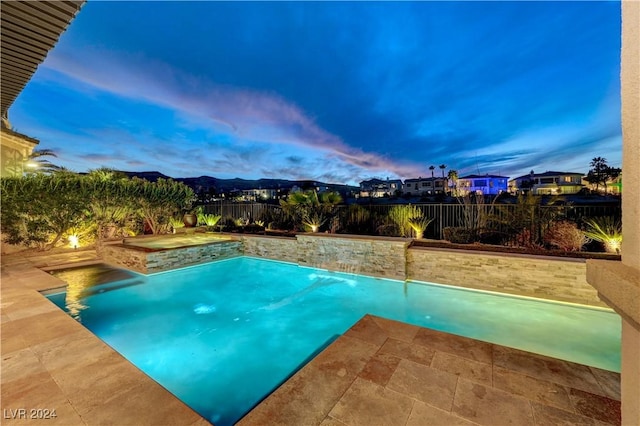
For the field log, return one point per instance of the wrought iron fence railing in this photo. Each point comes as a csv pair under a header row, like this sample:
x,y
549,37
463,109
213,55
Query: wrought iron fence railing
x,y
499,217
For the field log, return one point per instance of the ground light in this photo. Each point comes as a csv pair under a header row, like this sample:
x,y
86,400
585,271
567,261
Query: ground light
x,y
73,241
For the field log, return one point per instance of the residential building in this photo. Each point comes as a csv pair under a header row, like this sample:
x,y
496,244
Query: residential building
x,y
424,186
16,149
547,183
482,184
377,188
258,194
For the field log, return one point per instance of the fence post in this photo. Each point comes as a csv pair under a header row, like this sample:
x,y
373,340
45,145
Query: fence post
x,y
440,219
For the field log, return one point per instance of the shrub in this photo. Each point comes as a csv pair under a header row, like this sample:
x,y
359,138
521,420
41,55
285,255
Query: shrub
x,y
566,236
606,230
490,236
253,228
160,200
209,220
176,222
357,220
388,230
402,215
419,225
459,235
38,210
275,218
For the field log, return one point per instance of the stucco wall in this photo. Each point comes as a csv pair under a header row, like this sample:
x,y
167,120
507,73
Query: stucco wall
x,y
534,276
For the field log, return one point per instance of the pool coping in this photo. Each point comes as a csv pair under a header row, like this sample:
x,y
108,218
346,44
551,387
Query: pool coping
x,y
50,361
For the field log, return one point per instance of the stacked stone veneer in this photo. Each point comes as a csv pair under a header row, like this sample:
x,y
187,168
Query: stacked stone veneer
x,y
535,276
148,262
378,257
562,279
545,277
276,248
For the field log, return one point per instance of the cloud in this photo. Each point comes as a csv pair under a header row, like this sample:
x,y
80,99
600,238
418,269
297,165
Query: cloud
x,y
245,115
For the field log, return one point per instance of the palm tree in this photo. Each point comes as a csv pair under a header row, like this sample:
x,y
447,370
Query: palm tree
x,y
442,167
37,164
432,168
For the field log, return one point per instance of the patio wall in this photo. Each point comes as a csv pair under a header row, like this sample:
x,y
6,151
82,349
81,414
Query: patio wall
x,y
536,276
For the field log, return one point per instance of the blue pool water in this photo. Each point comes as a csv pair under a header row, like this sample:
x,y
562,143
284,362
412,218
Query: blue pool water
x,y
222,336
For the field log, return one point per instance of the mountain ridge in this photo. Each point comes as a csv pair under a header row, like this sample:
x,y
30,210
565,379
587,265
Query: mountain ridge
x,y
208,182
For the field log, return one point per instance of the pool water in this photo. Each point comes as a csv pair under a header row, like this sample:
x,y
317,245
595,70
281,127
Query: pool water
x,y
223,335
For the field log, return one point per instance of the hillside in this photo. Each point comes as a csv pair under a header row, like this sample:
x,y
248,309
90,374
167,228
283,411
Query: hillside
x,y
223,185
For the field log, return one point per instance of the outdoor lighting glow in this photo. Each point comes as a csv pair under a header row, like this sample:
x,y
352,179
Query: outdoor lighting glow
x,y
314,228
73,241
612,245
32,164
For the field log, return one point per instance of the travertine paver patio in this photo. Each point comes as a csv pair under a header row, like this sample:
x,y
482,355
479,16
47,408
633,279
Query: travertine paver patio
x,y
379,372
384,372
51,362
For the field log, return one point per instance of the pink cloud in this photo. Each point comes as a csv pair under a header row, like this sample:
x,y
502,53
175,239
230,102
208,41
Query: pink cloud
x,y
244,114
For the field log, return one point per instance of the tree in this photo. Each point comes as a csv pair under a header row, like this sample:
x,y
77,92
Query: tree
x,y
442,167
598,172
36,164
453,177
158,201
432,168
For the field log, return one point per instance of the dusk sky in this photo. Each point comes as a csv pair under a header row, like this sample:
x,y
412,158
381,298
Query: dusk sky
x,y
330,91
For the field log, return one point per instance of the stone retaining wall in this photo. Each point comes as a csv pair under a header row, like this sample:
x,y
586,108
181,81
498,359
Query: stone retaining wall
x,y
562,279
276,248
377,256
149,262
535,276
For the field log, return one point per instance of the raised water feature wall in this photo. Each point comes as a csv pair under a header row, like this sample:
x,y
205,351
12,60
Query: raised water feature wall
x,y
151,261
546,277
562,279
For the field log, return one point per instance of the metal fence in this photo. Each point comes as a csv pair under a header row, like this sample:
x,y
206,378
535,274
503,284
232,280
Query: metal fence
x,y
497,216
247,211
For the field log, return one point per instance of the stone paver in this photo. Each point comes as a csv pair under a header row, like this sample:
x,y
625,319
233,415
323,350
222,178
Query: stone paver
x,y
51,362
449,380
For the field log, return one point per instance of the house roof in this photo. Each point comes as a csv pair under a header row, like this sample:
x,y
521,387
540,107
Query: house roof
x,y
483,176
549,174
424,178
28,32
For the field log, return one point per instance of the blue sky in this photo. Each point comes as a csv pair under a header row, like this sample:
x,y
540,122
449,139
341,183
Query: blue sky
x,y
331,91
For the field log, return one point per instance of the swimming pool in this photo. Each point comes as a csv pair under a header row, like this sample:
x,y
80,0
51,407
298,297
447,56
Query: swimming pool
x,y
223,335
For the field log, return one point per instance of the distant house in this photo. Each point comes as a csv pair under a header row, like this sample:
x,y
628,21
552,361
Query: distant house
x,y
547,183
424,186
258,194
377,188
482,184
